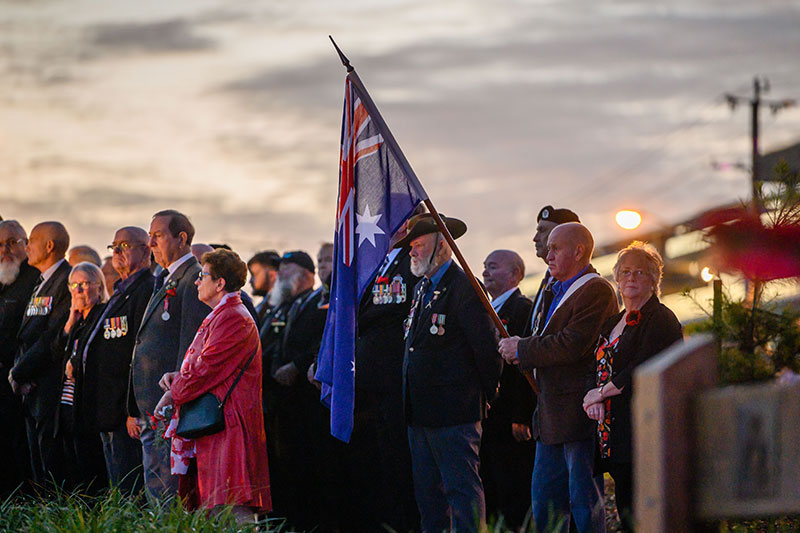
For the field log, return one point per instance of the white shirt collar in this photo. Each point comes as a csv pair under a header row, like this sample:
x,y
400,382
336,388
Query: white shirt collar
x,y
176,265
49,272
498,302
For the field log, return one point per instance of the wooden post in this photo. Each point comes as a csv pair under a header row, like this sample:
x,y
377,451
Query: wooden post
x,y
664,432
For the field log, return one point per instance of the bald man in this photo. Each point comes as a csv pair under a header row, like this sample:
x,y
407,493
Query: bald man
x,y
81,253
561,352
36,374
103,377
507,449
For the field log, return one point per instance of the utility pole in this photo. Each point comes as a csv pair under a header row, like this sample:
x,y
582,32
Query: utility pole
x,y
753,287
759,85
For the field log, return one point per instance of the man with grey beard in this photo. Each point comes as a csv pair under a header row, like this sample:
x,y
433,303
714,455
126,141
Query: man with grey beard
x,y
17,280
451,370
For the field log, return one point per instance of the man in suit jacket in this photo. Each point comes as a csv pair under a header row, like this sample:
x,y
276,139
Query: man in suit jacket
x,y
561,353
168,327
507,449
104,369
450,372
17,280
37,370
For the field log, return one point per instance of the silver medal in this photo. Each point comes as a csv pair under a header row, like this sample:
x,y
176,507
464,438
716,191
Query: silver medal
x,y
165,316
434,329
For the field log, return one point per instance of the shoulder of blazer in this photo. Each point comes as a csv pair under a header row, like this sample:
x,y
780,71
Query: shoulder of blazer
x,y
180,274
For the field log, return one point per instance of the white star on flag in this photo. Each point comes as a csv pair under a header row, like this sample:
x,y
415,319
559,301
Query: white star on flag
x,y
367,227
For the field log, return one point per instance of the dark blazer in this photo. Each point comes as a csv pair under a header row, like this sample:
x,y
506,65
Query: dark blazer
x,y
305,322
35,362
448,379
658,329
103,380
562,355
515,399
380,345
13,300
161,344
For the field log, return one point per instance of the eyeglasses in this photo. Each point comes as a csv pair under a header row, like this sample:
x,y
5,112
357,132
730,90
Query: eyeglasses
x,y
10,243
83,285
123,246
632,273
201,274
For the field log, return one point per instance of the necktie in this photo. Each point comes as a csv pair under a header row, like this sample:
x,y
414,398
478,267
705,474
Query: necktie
x,y
37,286
424,288
160,280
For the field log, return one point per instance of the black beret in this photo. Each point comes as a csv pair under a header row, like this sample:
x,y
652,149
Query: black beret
x,y
559,216
299,258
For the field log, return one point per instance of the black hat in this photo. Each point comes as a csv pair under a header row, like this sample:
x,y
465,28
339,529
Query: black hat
x,y
299,257
424,224
559,216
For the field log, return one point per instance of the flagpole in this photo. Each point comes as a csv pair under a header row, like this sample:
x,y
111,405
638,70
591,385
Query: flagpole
x,y
390,141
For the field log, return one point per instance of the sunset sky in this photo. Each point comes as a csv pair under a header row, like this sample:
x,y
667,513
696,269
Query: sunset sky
x,y
230,111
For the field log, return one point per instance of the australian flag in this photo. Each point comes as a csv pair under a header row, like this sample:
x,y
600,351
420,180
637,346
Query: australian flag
x,y
376,195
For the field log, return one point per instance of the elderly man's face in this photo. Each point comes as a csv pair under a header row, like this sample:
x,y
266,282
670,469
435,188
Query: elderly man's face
x,y
543,229
562,255
421,250
12,246
37,247
499,275
128,253
166,248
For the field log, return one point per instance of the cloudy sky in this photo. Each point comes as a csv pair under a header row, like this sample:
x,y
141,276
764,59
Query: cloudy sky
x,y
230,111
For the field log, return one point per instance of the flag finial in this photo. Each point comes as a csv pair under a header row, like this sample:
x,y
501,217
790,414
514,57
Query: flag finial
x,y
345,61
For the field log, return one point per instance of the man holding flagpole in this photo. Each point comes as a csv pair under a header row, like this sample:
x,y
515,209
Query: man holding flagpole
x,y
450,371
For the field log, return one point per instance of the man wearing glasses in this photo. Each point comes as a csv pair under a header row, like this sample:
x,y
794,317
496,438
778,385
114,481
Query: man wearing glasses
x,y
36,374
107,358
17,280
168,326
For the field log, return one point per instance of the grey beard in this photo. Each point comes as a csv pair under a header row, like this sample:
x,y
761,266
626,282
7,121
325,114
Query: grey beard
x,y
9,272
283,290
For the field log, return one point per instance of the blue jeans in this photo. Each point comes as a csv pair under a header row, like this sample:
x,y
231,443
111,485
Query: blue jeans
x,y
447,487
158,480
563,482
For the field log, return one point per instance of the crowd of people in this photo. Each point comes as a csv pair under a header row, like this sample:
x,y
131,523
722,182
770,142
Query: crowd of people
x,y
106,363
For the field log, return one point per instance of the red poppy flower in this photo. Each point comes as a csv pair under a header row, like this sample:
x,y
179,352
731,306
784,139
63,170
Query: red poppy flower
x,y
633,317
171,292
382,279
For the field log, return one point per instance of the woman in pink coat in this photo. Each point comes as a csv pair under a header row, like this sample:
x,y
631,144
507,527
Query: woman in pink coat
x,y
232,464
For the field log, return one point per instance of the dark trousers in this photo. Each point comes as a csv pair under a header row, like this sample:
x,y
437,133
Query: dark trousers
x,y
447,486
80,455
380,490
123,458
43,453
622,474
506,471
14,444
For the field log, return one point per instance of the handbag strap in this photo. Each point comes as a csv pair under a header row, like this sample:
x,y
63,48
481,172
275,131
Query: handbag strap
x,y
222,403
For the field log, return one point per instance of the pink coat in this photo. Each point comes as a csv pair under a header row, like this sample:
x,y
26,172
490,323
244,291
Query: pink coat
x,y
231,465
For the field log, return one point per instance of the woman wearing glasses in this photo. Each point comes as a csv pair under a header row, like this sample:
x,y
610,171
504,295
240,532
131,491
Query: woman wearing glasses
x,y
224,356
84,464
643,329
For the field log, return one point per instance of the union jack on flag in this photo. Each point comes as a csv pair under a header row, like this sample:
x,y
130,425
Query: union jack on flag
x,y
375,197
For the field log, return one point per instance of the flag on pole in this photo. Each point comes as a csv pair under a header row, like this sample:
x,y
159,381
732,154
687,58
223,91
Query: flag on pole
x,y
376,195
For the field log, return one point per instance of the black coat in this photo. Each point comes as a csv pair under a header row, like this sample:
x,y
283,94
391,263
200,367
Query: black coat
x,y
448,379
103,383
657,330
36,363
380,345
515,400
13,300
305,322
70,347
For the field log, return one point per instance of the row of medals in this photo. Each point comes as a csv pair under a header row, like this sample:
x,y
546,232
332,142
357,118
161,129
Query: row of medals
x,y
115,327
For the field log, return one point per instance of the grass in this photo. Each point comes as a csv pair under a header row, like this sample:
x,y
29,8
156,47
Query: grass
x,y
55,511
